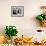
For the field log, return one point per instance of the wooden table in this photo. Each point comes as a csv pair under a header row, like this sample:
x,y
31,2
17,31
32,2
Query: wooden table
x,y
25,44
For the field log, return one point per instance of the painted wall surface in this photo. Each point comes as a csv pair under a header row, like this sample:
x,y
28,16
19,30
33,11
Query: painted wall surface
x,y
26,25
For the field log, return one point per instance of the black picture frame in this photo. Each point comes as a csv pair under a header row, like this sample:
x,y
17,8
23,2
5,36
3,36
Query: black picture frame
x,y
17,11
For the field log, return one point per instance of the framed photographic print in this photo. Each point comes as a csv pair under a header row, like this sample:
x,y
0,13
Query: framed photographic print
x,y
17,11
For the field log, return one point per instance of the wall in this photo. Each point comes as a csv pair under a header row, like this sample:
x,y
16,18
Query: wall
x,y
26,25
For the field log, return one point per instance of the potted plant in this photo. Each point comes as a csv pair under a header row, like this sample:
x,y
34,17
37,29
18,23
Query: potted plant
x,y
42,17
10,31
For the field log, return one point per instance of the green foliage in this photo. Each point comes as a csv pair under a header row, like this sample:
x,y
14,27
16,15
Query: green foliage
x,y
45,17
41,17
11,31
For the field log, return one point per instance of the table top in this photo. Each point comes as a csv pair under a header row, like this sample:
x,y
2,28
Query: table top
x,y
30,45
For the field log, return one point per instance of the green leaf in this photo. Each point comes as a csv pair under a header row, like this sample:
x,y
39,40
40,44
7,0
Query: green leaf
x,y
10,31
45,16
40,18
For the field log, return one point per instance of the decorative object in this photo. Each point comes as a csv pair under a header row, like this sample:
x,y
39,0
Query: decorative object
x,y
17,11
42,17
10,32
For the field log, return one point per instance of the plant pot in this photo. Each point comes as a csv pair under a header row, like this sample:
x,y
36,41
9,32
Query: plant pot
x,y
43,23
13,38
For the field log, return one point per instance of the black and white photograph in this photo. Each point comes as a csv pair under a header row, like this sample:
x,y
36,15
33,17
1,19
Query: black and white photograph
x,y
17,11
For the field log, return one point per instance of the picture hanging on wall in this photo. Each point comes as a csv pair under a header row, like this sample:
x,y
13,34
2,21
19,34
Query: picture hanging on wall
x,y
17,11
